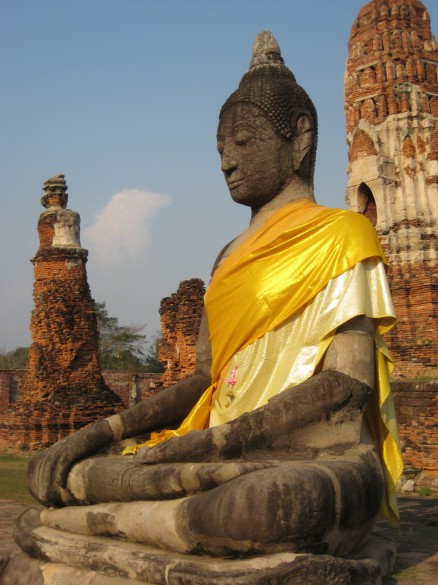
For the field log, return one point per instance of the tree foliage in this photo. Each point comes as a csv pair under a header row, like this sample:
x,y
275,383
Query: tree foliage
x,y
15,359
123,347
152,361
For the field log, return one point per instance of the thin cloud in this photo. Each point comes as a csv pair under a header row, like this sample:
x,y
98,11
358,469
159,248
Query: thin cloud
x,y
122,230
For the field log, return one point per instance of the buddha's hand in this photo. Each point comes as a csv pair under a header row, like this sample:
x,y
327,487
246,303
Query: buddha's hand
x,y
274,430
49,469
206,445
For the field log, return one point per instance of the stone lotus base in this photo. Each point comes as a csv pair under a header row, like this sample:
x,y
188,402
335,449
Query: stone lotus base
x,y
55,557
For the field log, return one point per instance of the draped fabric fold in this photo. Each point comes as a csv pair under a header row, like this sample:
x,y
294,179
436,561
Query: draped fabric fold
x,y
291,353
276,273
279,270
380,416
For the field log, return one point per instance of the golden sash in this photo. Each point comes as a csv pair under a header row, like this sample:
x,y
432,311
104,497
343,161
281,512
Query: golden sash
x,y
270,276
279,270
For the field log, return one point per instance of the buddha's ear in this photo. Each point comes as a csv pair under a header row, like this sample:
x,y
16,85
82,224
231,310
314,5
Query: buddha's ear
x,y
303,140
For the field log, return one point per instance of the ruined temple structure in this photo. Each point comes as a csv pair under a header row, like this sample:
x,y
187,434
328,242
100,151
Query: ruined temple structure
x,y
391,107
180,316
62,388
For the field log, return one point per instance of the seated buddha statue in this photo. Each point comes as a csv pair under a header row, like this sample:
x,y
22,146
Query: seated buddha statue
x,y
284,437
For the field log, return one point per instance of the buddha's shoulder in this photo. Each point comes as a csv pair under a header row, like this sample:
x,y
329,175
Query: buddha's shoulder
x,y
350,221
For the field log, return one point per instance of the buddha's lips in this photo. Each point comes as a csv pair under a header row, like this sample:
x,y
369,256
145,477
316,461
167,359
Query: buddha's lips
x,y
234,184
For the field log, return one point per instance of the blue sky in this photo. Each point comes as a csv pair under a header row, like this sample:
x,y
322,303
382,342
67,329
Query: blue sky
x,y
122,96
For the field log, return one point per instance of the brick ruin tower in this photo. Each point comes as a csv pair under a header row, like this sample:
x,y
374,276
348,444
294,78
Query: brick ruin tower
x,y
180,316
391,107
62,389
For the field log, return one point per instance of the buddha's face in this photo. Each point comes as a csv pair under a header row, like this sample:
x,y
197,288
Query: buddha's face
x,y
256,162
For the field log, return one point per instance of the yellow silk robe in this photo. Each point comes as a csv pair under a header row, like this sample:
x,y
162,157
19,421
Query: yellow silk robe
x,y
272,276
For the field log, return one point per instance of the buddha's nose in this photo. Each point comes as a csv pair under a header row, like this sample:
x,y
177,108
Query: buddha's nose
x,y
228,163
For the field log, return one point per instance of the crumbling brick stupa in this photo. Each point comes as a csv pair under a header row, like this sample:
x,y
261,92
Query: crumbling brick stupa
x,y
180,316
62,388
391,108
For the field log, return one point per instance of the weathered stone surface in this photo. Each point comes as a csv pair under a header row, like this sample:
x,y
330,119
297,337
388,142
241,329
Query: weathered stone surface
x,y
342,481
116,478
103,557
48,470
23,570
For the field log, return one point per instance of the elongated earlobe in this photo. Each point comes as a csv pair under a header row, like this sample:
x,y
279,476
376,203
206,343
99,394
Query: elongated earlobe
x,y
303,142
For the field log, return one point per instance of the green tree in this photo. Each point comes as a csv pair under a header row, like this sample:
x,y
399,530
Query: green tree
x,y
152,361
121,347
15,359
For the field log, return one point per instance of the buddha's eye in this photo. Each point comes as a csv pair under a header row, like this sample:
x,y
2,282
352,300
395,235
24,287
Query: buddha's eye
x,y
242,137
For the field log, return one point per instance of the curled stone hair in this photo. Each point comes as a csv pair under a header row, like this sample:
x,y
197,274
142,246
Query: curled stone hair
x,y
271,86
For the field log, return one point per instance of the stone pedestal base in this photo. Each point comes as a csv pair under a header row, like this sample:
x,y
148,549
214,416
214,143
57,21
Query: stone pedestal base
x,y
54,557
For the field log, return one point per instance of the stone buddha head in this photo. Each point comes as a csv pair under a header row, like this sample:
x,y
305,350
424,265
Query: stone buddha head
x,y
267,129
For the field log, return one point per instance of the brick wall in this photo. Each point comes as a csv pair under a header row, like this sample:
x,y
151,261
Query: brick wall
x,y
180,316
414,340
380,61
133,387
10,381
361,146
417,416
26,424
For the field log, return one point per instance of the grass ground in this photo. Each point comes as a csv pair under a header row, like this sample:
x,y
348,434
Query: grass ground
x,y
13,478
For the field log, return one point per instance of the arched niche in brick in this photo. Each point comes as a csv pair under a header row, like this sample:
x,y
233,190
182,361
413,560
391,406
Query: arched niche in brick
x,y
361,146
367,203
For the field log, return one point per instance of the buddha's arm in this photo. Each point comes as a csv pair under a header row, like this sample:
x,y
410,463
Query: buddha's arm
x,y
48,471
340,390
352,350
170,406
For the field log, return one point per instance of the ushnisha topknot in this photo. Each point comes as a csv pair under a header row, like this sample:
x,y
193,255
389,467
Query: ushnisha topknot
x,y
271,86
265,51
